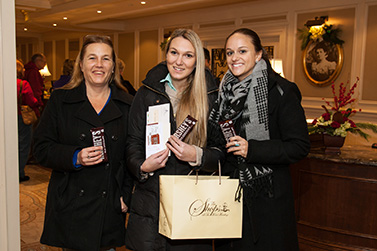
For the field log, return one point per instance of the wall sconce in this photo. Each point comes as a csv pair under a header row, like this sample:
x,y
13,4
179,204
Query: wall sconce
x,y
45,72
317,21
277,65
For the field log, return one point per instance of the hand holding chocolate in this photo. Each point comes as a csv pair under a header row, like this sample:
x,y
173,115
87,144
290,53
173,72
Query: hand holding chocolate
x,y
185,128
98,136
227,127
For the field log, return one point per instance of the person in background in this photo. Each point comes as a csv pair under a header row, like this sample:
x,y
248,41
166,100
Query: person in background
x,y
189,89
32,75
208,65
125,83
90,188
207,58
24,131
67,73
271,133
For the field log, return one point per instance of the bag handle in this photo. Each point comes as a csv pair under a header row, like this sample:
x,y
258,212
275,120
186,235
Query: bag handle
x,y
197,174
20,95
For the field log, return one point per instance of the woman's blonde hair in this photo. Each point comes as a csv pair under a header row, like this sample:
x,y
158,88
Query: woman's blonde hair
x,y
78,77
20,69
194,99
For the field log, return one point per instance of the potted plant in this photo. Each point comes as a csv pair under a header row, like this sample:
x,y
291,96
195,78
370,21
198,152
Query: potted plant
x,y
332,127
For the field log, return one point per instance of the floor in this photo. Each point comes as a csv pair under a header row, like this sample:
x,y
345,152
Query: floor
x,y
32,204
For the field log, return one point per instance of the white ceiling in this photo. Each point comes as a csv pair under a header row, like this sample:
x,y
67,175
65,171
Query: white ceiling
x,y
39,15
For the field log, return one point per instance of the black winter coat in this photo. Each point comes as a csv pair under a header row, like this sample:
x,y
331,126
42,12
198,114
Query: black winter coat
x,y
270,223
83,208
142,228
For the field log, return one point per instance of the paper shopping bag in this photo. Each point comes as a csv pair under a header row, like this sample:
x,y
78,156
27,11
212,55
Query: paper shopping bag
x,y
199,209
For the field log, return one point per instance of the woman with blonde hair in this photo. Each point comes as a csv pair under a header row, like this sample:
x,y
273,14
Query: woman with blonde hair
x,y
82,136
25,96
189,89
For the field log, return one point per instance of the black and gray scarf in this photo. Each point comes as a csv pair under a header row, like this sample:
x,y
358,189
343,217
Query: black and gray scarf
x,y
247,100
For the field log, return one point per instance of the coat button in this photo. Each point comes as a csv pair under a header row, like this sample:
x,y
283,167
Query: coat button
x,y
114,137
104,194
82,136
107,166
81,193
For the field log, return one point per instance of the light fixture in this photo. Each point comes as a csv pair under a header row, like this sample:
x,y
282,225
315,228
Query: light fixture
x,y
277,65
99,11
317,21
65,18
25,29
143,2
54,25
45,72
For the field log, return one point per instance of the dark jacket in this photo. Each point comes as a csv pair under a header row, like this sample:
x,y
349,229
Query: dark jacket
x,y
142,228
270,223
35,80
83,208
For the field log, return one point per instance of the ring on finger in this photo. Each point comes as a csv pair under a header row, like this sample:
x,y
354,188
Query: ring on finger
x,y
88,156
236,143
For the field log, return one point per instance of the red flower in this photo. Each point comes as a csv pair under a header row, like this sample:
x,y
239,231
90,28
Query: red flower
x,y
314,121
335,124
353,125
326,116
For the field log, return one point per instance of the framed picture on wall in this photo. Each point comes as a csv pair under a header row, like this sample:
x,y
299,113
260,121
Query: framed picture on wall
x,y
322,62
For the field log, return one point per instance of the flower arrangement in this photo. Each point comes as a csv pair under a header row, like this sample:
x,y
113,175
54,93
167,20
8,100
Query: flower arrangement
x,y
336,122
325,32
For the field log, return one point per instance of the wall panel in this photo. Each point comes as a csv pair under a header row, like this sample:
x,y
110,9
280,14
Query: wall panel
x,y
148,52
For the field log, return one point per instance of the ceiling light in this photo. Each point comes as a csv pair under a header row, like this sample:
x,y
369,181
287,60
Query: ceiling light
x,y
65,18
54,25
99,11
143,2
25,29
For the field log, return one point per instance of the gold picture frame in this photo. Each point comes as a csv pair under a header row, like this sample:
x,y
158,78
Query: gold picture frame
x,y
322,62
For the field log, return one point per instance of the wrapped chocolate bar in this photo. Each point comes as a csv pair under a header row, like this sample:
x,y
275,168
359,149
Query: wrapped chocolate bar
x,y
227,127
185,128
98,136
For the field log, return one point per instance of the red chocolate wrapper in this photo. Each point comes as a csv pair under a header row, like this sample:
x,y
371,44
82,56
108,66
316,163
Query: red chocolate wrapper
x,y
98,136
227,127
185,128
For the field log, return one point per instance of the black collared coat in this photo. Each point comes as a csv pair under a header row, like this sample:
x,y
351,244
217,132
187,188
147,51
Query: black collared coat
x,y
83,208
142,228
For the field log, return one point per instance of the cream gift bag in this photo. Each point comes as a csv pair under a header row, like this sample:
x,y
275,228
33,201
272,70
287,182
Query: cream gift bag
x,y
199,207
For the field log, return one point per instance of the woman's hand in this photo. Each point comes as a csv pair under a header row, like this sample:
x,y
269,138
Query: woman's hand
x,y
238,146
182,151
90,156
123,205
155,161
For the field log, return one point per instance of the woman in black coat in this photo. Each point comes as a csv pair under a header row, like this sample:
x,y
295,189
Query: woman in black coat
x,y
183,83
88,195
271,133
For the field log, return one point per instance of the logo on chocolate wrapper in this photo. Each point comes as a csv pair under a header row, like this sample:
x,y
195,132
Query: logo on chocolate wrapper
x,y
208,208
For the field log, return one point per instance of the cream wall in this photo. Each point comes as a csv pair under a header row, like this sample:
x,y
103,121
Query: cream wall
x,y
9,186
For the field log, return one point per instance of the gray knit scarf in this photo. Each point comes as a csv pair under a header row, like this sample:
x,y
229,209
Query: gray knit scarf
x,y
247,100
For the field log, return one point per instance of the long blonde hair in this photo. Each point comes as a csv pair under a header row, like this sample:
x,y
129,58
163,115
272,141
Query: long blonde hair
x,y
194,99
78,76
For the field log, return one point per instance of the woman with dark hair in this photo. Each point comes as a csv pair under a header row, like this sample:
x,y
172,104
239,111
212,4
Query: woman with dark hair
x,y
271,133
81,137
67,73
183,83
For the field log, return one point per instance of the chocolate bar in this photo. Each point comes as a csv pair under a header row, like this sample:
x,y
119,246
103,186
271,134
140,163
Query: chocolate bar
x,y
186,127
227,127
98,136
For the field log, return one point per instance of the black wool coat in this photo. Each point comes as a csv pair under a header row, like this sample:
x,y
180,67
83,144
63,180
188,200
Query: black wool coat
x,y
142,228
270,224
83,208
